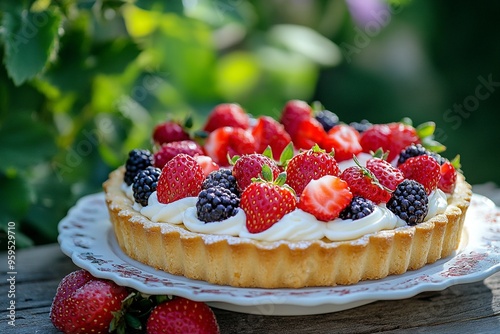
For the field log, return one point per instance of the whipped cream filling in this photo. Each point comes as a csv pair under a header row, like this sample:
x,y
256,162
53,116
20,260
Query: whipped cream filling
x,y
297,225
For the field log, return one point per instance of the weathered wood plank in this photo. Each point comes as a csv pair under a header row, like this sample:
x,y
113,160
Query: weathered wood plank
x,y
463,308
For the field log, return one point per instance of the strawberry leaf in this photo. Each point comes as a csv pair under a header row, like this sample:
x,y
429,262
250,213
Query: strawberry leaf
x,y
188,122
133,322
433,145
268,152
407,121
456,162
286,155
426,129
281,179
267,173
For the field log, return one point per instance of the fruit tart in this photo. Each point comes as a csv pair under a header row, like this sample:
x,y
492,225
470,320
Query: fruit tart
x,y
301,201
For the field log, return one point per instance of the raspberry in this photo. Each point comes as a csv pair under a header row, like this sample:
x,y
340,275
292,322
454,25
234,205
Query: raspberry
x,y
410,202
137,160
145,183
359,207
216,204
221,178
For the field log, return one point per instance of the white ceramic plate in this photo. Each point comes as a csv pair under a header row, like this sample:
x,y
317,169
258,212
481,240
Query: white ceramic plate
x,y
86,236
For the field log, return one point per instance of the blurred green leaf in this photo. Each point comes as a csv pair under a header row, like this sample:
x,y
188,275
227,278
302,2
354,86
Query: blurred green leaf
x,y
24,142
14,197
30,39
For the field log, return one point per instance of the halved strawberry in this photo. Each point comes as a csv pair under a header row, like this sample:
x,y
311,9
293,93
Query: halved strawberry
x,y
344,140
265,202
181,177
448,178
310,165
424,169
227,114
325,197
206,163
170,150
228,141
182,315
268,132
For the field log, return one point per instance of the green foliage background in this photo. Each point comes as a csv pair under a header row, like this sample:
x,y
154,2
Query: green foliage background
x,y
83,82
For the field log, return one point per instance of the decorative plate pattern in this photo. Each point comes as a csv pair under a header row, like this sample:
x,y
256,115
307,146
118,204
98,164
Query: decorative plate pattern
x,y
86,236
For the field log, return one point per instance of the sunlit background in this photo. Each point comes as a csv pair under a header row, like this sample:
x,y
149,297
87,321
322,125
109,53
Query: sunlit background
x,y
83,82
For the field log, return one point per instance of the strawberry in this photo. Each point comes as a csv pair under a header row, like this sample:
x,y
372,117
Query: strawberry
x,y
181,177
250,166
182,315
401,136
293,113
308,133
227,114
363,183
376,137
265,202
424,169
268,132
344,140
84,304
388,175
448,177
310,165
228,141
325,197
168,132
206,163
170,150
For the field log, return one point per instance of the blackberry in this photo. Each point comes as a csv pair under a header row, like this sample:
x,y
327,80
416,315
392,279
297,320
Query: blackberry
x,y
409,201
216,204
359,207
222,178
327,119
415,150
361,126
145,183
137,160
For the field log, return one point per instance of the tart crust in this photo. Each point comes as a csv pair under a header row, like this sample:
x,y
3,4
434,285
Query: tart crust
x,y
241,262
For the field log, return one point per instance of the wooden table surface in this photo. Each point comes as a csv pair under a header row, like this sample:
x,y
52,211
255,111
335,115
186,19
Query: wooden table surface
x,y
466,308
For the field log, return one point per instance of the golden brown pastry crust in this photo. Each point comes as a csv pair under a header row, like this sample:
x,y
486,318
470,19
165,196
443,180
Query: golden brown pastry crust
x,y
235,261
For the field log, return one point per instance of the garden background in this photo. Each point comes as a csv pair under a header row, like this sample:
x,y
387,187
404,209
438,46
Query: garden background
x,y
83,82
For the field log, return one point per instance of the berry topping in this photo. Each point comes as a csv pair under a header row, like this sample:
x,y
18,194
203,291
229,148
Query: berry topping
x,y
229,141
327,119
265,202
84,304
310,165
168,132
293,113
216,204
363,183
268,132
361,126
325,197
413,150
170,150
386,174
250,166
358,208
423,169
206,163
227,114
221,178
182,315
344,140
448,178
181,177
137,160
410,202
145,183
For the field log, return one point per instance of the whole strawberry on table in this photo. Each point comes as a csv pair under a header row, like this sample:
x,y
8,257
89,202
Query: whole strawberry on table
x,y
86,304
